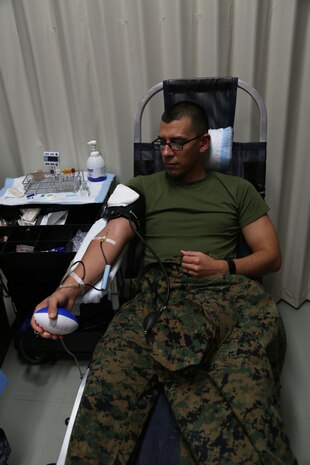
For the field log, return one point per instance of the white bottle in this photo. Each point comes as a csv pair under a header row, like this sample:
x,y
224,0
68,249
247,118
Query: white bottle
x,y
96,171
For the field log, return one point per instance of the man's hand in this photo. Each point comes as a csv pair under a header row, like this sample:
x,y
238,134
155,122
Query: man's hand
x,y
200,265
61,298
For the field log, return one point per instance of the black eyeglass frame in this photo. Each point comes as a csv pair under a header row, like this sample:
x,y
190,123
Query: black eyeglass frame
x,y
174,146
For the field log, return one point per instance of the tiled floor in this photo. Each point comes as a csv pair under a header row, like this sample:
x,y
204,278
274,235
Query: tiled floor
x,y
39,398
295,397
34,407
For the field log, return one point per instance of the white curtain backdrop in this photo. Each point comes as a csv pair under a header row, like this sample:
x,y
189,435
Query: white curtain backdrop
x,y
74,70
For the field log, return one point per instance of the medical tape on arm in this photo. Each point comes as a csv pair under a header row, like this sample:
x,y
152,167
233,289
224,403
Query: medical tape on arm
x,y
79,281
105,239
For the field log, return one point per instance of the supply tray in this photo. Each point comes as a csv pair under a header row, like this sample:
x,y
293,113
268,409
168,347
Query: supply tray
x,y
53,183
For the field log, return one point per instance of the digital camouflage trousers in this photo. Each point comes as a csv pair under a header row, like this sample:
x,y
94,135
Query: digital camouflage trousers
x,y
217,349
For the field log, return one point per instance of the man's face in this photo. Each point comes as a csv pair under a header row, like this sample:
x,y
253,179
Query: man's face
x,y
186,164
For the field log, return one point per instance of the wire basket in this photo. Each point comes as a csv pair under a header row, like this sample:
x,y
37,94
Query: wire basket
x,y
52,183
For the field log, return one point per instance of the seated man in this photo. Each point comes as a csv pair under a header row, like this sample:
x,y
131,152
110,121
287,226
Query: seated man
x,y
198,325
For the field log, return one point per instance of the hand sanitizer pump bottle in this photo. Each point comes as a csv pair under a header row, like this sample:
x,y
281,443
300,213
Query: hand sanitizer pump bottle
x,y
96,171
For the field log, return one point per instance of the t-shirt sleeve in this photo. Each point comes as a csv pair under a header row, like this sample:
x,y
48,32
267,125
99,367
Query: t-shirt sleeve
x,y
251,205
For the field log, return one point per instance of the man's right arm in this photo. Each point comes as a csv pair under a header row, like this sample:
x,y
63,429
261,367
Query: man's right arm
x,y
120,232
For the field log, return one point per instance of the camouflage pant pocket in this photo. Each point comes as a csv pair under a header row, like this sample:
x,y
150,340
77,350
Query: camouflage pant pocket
x,y
187,334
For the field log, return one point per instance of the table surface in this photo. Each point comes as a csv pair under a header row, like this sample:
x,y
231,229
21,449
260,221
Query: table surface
x,y
97,193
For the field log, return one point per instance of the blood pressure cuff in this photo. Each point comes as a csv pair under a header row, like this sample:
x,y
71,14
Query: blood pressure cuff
x,y
125,202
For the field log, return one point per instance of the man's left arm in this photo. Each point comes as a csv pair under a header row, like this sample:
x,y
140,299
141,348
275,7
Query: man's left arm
x,y
265,256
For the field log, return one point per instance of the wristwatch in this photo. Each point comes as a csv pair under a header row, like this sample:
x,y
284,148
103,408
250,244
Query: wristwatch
x,y
231,267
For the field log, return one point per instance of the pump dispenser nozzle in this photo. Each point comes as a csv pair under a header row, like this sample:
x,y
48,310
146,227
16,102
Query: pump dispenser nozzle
x,y
94,151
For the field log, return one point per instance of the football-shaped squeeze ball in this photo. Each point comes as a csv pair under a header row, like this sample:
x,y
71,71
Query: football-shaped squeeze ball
x,y
65,322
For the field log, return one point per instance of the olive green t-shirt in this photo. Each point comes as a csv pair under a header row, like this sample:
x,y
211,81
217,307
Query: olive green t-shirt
x,y
205,215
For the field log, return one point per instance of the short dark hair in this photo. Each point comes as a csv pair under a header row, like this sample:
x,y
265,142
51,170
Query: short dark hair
x,y
195,112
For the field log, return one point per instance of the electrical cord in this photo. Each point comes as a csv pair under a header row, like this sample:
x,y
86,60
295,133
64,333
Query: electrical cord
x,y
73,356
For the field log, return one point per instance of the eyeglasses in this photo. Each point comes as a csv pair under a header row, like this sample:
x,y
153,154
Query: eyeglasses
x,y
160,144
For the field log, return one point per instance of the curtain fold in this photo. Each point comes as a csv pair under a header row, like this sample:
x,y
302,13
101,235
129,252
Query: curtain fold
x,y
75,70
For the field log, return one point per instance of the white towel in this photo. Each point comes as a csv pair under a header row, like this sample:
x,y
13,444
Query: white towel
x,y
220,151
122,196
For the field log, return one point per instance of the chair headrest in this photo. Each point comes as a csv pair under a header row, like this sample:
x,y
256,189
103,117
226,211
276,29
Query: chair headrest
x,y
220,150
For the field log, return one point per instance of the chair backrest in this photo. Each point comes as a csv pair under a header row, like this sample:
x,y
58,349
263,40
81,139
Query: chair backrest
x,y
218,96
